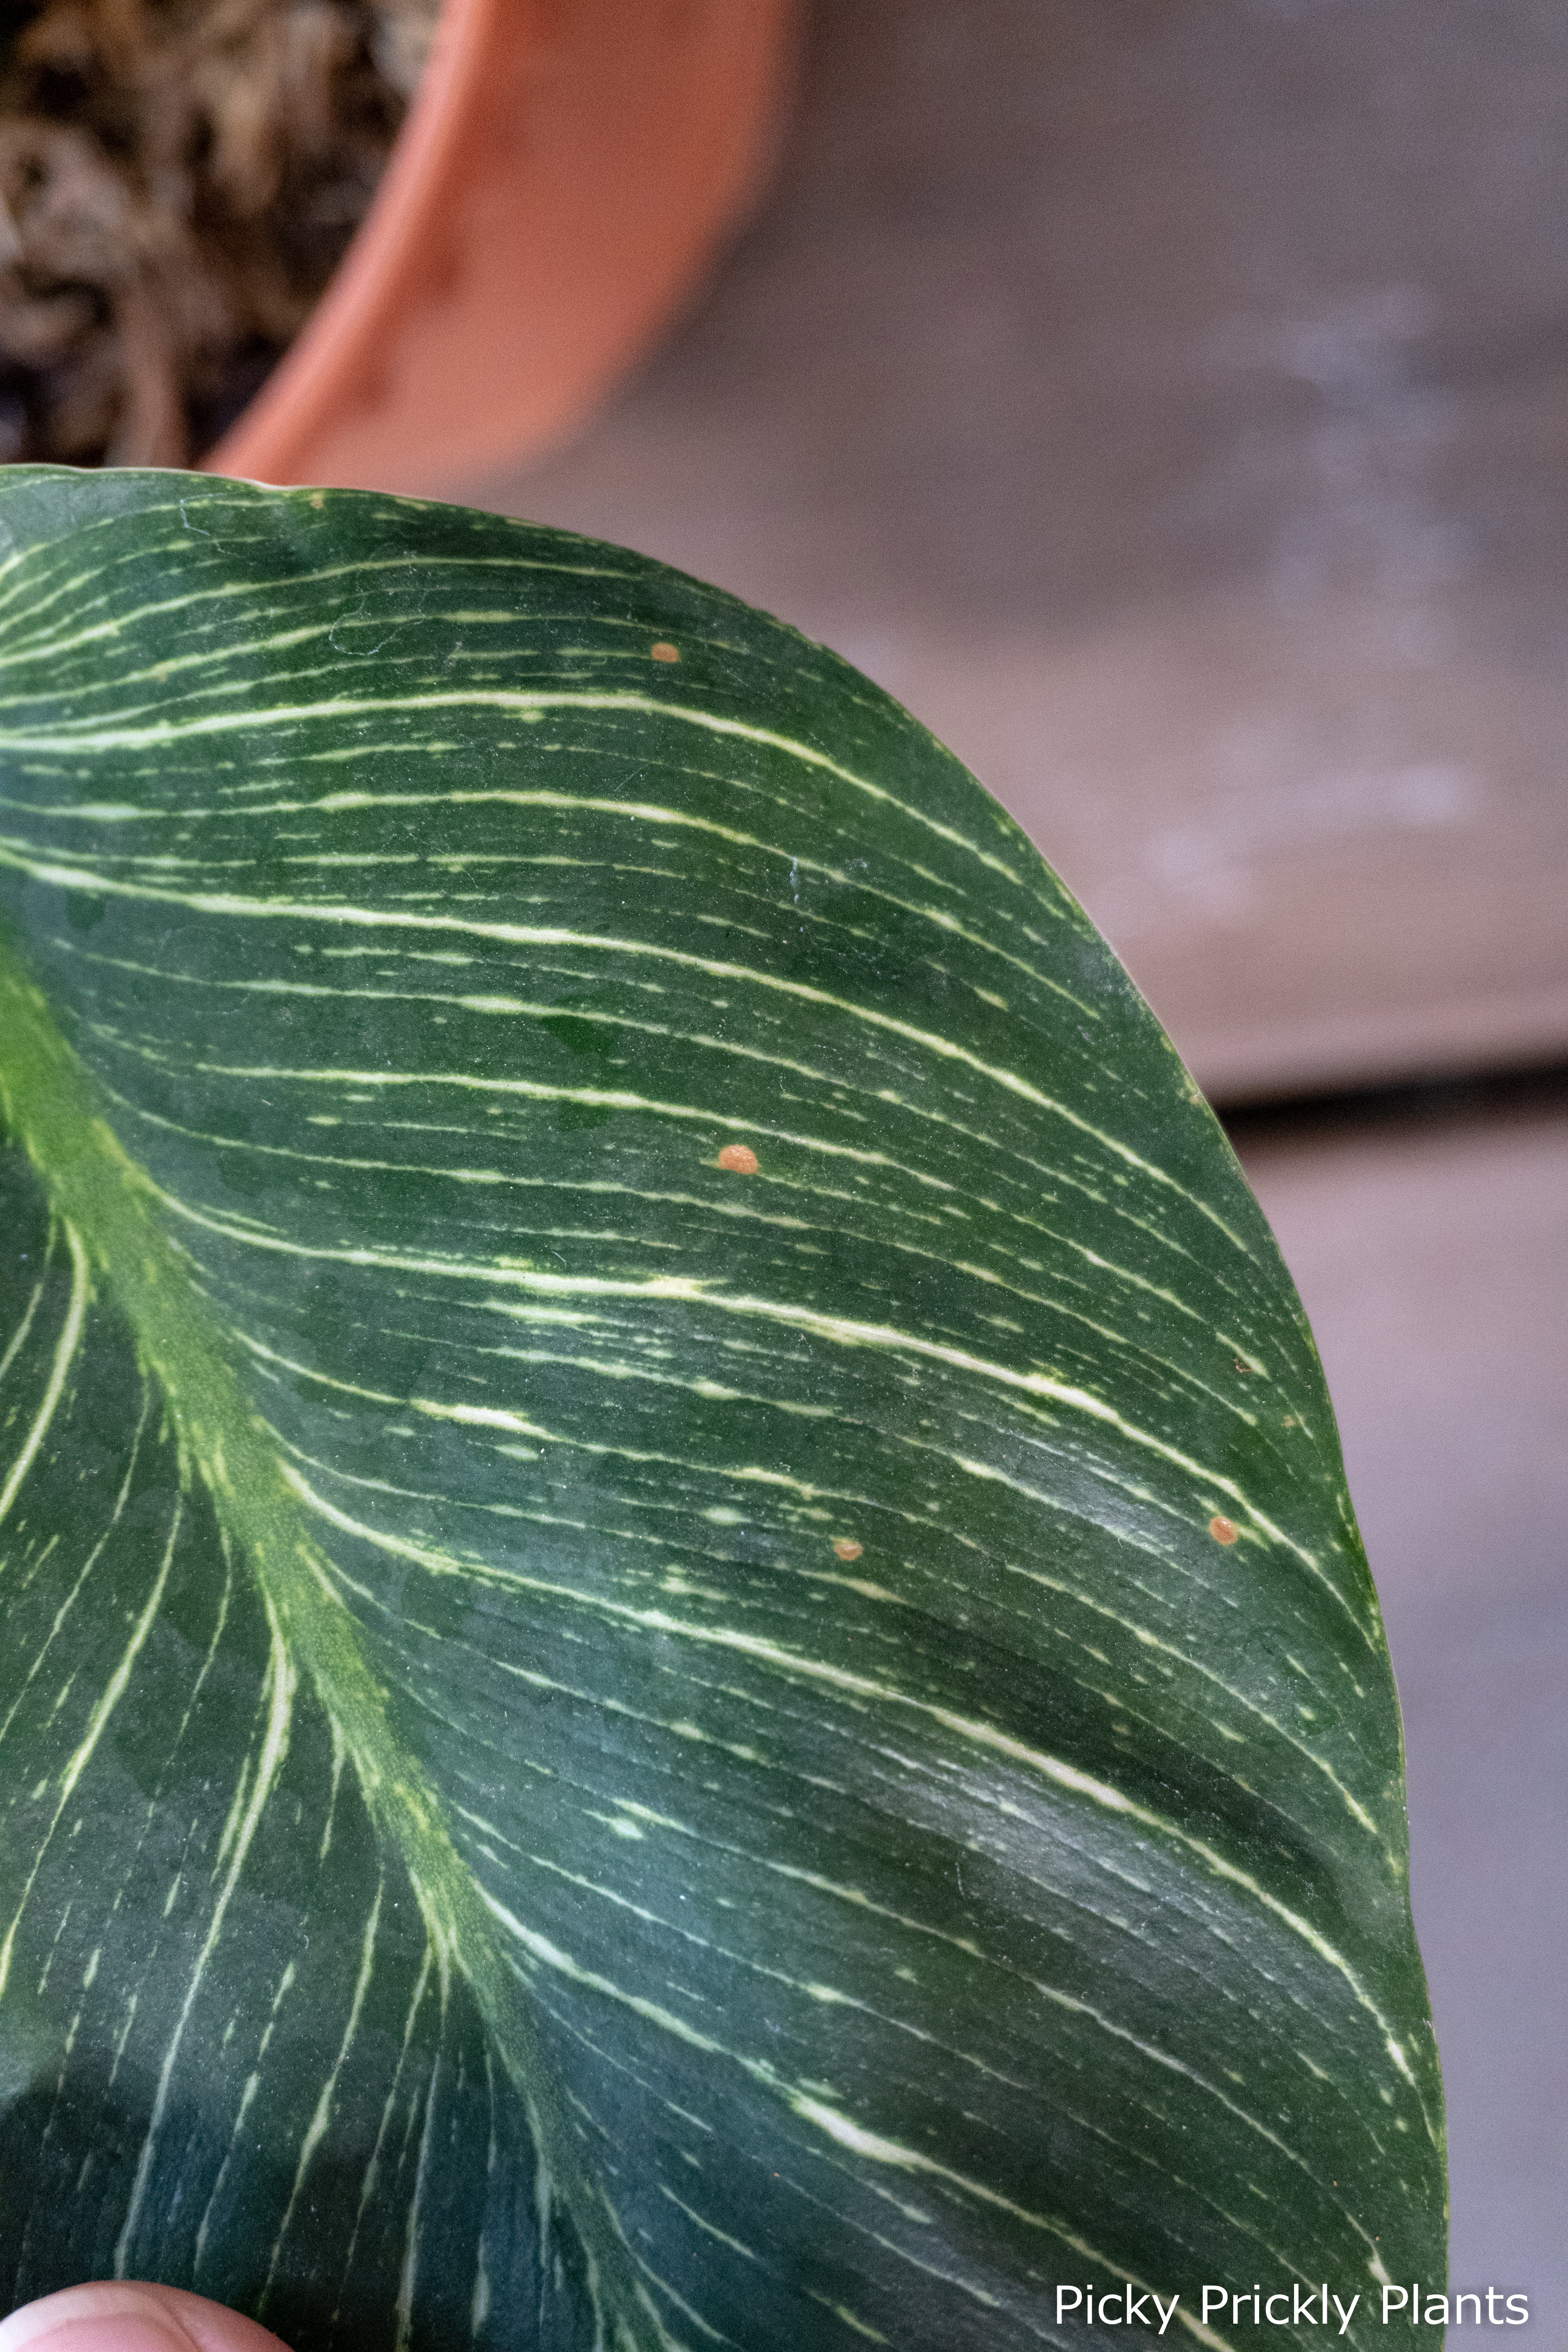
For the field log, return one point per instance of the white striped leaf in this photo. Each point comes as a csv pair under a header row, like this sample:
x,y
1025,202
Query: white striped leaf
x,y
687,1660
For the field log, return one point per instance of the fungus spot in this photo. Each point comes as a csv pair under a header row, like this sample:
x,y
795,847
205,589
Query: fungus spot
x,y
740,1158
847,1548
665,652
1224,1531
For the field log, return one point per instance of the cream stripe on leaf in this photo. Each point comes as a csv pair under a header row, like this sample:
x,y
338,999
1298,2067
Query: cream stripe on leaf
x,y
686,1662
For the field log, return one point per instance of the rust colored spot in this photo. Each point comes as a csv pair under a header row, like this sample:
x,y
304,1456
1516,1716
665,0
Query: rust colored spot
x,y
740,1158
663,652
1242,1365
847,1548
1224,1531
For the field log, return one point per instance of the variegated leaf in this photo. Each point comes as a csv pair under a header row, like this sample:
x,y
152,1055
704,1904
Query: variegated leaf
x,y
687,1660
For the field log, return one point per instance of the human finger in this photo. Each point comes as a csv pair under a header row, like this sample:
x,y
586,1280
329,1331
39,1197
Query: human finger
x,y
131,2316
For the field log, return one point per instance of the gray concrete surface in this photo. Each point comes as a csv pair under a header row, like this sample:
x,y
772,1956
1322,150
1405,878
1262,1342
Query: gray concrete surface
x,y
1433,1262
1168,404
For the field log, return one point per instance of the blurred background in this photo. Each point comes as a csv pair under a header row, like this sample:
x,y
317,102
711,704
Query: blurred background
x,y
1170,405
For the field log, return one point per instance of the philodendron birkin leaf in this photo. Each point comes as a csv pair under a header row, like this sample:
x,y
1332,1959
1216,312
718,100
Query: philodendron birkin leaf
x,y
686,1660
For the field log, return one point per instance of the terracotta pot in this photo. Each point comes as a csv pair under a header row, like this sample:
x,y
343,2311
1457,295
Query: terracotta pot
x,y
566,172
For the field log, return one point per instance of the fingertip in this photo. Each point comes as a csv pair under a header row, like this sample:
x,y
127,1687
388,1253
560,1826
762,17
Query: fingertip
x,y
131,2316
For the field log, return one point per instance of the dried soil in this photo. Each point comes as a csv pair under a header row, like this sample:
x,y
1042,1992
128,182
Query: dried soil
x,y
178,181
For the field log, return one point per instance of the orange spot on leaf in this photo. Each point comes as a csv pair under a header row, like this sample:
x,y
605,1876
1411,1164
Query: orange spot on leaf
x,y
1224,1531
847,1548
740,1158
663,652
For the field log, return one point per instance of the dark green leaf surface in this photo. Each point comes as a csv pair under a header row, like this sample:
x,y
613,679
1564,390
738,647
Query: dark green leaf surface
x,y
603,1746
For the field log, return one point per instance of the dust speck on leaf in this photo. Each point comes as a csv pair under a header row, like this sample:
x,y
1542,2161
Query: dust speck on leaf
x,y
1224,1531
739,1158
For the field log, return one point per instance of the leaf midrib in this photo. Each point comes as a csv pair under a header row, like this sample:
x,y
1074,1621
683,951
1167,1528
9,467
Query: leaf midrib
x,y
105,1201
